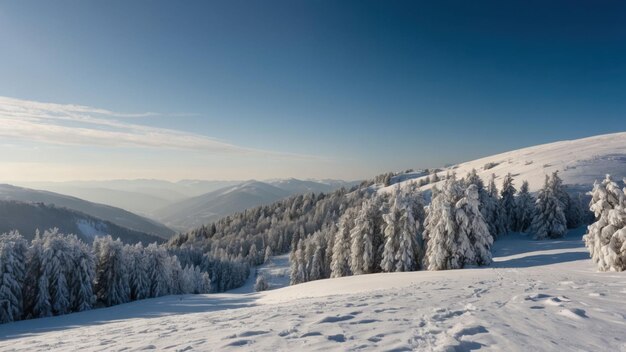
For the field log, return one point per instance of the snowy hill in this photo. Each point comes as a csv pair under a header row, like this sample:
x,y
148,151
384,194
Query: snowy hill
x,y
580,162
105,212
538,295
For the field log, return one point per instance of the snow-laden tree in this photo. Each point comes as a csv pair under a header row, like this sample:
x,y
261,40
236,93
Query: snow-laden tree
x,y
137,272
297,264
268,255
366,237
392,234
261,283
524,209
549,217
159,268
12,276
440,229
488,202
473,240
111,283
317,264
57,263
606,237
340,264
402,249
82,275
496,218
507,202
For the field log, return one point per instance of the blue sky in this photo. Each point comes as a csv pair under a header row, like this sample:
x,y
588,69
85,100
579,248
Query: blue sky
x,y
323,89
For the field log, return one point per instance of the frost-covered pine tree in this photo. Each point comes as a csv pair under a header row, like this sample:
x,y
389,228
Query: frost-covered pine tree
x,y
159,270
507,202
365,237
268,255
496,218
297,264
81,280
392,234
488,203
524,209
549,218
410,252
606,237
340,264
317,264
473,242
57,264
441,228
12,276
261,283
137,272
111,283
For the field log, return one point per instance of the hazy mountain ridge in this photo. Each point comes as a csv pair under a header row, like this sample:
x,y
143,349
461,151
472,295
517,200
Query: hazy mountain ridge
x,y
27,218
114,215
212,206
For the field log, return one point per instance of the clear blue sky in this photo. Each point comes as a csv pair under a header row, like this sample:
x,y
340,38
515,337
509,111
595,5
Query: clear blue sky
x,y
343,89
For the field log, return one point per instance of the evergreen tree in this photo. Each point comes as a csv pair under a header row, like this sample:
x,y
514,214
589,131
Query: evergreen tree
x,y
111,283
507,202
340,264
12,276
365,237
138,279
81,282
606,237
524,205
549,218
473,241
440,230
261,283
159,271
496,218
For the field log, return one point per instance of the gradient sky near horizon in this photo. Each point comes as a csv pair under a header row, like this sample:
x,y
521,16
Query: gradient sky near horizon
x,y
309,89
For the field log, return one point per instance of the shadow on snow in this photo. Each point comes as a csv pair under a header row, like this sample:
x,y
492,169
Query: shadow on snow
x,y
148,308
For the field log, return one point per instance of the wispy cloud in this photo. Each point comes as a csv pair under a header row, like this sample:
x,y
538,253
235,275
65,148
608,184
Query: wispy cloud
x,y
66,124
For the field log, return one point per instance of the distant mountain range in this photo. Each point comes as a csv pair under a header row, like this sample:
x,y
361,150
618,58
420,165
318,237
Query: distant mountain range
x,y
108,213
27,218
179,205
209,207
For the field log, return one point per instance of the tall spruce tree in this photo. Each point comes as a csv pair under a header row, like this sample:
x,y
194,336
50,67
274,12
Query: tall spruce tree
x,y
549,217
507,202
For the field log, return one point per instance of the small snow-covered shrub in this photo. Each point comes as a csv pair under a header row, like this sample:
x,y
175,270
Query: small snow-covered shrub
x,y
261,283
606,238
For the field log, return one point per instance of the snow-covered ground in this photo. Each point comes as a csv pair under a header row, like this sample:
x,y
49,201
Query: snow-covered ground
x,y
579,162
537,295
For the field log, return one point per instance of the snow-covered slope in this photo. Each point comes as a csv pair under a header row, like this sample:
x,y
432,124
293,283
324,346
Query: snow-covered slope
x,y
538,295
579,162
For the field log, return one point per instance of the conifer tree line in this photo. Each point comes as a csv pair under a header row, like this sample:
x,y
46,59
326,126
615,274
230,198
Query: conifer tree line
x,y
57,274
606,237
254,235
396,231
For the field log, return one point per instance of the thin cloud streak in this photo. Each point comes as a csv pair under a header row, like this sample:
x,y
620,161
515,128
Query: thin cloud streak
x,y
69,124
